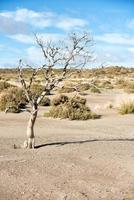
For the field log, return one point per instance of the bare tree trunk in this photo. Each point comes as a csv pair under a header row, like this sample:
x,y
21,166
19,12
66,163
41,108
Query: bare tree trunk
x,y
30,128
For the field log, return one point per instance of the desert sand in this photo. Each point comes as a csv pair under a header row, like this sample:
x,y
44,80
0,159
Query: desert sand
x,y
73,160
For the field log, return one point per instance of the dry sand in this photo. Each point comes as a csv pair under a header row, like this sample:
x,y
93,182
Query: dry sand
x,y
73,160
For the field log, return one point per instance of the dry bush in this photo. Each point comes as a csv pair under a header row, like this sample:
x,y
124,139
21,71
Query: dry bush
x,y
61,99
126,105
106,85
8,74
115,70
83,87
45,102
70,83
121,83
129,87
73,108
12,98
97,82
4,85
36,90
66,89
95,90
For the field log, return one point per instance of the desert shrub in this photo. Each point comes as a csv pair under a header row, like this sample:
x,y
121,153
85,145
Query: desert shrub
x,y
127,85
61,99
4,85
83,87
45,102
95,90
36,90
66,89
121,83
106,85
73,108
77,101
126,105
129,88
12,98
70,83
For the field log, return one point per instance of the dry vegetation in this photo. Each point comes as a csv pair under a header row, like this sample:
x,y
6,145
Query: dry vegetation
x,y
125,104
12,99
88,81
90,159
73,108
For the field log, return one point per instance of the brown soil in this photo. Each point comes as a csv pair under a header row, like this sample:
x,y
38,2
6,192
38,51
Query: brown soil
x,y
73,160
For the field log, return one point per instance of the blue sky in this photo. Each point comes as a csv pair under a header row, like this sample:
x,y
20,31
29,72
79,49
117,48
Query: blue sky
x,y
110,22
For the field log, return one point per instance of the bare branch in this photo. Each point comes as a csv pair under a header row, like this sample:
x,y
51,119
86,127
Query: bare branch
x,y
71,55
23,83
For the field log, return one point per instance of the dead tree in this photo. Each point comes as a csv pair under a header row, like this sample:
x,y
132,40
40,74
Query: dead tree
x,y
70,54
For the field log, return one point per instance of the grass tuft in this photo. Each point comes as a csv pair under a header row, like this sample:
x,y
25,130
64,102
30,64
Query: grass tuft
x,y
126,105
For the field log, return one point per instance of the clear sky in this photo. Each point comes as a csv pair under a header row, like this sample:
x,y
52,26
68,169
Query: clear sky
x,y
110,22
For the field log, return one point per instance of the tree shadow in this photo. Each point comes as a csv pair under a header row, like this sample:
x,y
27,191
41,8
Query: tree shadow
x,y
85,141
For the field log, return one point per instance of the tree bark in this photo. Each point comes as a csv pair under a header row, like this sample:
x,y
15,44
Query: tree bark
x,y
30,129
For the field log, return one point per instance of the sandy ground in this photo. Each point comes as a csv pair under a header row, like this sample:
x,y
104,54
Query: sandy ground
x,y
73,160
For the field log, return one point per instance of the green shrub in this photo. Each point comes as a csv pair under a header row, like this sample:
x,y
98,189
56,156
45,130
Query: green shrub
x,y
12,98
73,108
45,102
95,90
